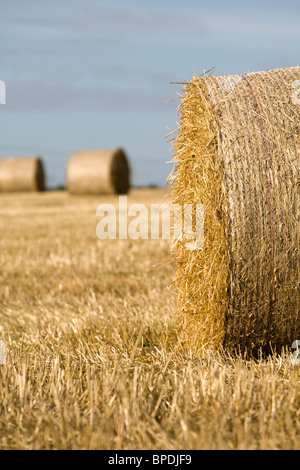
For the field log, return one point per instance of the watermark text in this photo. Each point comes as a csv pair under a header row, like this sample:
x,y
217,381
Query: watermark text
x,y
2,92
2,353
161,221
295,359
296,94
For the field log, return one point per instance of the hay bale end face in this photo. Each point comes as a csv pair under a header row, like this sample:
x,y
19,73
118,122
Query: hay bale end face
x,y
237,152
98,172
18,174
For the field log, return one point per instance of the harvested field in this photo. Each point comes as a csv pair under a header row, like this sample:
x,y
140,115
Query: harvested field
x,y
92,349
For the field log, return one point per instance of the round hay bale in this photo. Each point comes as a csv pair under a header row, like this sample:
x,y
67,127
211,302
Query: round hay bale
x,y
98,172
237,152
21,174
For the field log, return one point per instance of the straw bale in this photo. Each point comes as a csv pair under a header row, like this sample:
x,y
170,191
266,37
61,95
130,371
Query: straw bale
x,y
98,172
21,174
237,152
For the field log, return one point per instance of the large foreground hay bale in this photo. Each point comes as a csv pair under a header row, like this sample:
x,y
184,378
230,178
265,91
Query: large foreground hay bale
x,y
237,152
98,172
21,174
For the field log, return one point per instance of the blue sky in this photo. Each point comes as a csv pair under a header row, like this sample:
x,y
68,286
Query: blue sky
x,y
83,74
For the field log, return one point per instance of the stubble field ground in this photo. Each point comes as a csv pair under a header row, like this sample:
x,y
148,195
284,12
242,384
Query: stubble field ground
x,y
93,357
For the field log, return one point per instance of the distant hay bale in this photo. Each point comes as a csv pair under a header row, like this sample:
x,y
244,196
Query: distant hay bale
x,y
21,174
98,172
237,152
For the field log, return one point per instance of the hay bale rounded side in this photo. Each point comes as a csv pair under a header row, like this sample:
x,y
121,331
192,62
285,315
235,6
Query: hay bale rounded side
x,y
237,152
98,172
18,174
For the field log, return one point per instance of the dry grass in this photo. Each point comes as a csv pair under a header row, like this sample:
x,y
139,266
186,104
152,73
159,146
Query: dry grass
x,y
93,359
